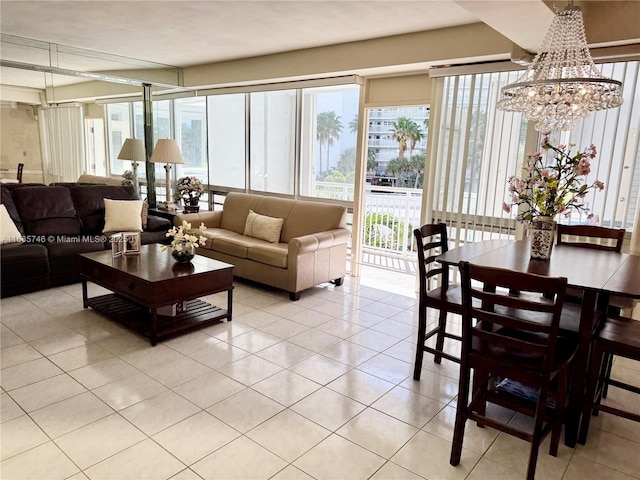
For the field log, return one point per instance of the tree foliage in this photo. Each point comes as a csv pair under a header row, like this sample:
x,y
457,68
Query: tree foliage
x,y
329,128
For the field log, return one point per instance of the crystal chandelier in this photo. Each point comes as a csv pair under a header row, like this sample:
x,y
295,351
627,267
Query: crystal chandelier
x,y
562,83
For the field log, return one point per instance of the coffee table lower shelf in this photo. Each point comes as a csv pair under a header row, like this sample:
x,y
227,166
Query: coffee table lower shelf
x,y
139,318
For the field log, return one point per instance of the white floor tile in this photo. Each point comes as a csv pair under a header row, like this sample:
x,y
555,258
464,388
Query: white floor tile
x,y
209,389
144,460
19,435
43,462
157,413
241,459
99,440
75,412
246,409
288,435
347,460
328,408
286,387
195,437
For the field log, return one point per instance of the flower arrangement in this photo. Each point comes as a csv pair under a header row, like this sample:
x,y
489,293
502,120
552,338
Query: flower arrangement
x,y
128,178
549,190
189,187
183,240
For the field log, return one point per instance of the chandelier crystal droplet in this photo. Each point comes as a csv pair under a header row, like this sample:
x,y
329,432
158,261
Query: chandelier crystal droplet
x,y
562,83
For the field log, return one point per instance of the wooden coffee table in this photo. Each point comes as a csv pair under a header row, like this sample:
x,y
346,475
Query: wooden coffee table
x,y
146,282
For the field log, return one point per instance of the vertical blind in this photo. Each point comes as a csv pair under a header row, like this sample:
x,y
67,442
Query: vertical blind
x,y
62,140
479,147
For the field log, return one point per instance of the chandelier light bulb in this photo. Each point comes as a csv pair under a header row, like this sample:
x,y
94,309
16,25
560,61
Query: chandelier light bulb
x,y
562,83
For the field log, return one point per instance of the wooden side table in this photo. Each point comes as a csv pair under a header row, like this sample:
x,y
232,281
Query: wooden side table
x,y
164,213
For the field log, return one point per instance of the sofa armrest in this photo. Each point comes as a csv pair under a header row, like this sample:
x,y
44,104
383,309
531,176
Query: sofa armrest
x,y
317,241
210,219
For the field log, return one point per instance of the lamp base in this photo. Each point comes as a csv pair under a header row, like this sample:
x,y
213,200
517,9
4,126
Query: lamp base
x,y
167,206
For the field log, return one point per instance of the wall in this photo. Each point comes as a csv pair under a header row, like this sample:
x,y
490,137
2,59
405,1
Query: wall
x,y
20,142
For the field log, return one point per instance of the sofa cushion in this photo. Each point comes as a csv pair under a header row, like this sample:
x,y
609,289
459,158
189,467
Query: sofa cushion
x,y
46,211
8,229
306,218
236,209
275,254
233,244
7,200
263,227
89,202
122,215
25,268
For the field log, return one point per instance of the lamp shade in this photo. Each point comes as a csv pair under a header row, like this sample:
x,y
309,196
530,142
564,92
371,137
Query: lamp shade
x,y
166,151
133,149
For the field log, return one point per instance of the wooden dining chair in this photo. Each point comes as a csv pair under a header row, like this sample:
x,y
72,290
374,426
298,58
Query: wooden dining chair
x,y
598,238
431,240
591,236
515,357
620,336
20,169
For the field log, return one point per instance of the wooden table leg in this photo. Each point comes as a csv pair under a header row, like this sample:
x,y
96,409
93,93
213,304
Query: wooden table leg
x,y
85,295
153,328
581,363
229,303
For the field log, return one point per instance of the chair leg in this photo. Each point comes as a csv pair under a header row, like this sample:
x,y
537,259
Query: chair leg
x,y
561,396
479,391
608,364
461,415
537,433
422,327
442,325
590,398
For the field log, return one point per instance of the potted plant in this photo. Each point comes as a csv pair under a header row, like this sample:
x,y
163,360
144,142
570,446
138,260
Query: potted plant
x,y
190,189
548,190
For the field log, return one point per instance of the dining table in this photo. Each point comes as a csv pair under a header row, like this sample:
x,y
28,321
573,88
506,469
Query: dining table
x,y
599,274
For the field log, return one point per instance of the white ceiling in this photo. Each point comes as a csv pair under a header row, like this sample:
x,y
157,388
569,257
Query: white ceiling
x,y
183,33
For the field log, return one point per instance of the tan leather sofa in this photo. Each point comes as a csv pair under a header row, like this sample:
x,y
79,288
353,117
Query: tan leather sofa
x,y
312,248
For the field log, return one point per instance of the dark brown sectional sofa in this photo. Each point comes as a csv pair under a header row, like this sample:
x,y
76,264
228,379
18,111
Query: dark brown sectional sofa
x,y
58,223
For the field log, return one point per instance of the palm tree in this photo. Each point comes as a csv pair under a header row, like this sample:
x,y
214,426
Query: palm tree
x,y
371,160
353,124
417,164
415,135
400,133
329,129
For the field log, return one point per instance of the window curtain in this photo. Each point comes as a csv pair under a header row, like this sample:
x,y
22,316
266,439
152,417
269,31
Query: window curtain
x,y
62,140
477,148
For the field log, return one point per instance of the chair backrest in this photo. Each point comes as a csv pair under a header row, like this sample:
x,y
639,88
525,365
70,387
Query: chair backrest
x,y
515,312
431,241
20,168
612,237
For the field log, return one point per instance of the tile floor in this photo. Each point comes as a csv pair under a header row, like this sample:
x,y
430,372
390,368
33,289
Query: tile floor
x,y
320,388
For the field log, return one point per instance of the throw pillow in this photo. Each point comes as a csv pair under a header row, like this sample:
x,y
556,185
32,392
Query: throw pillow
x,y
8,229
122,215
263,227
145,214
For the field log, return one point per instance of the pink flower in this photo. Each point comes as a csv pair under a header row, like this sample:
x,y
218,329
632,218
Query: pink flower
x,y
583,167
561,147
506,207
567,215
590,216
544,172
593,152
599,185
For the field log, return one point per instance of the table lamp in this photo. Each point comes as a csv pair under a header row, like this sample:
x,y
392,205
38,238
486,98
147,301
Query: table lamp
x,y
167,151
133,149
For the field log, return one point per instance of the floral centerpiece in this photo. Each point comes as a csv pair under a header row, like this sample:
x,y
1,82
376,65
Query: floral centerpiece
x,y
549,190
190,189
184,243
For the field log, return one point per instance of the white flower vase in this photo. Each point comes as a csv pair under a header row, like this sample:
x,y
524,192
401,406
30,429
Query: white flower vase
x,y
542,231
